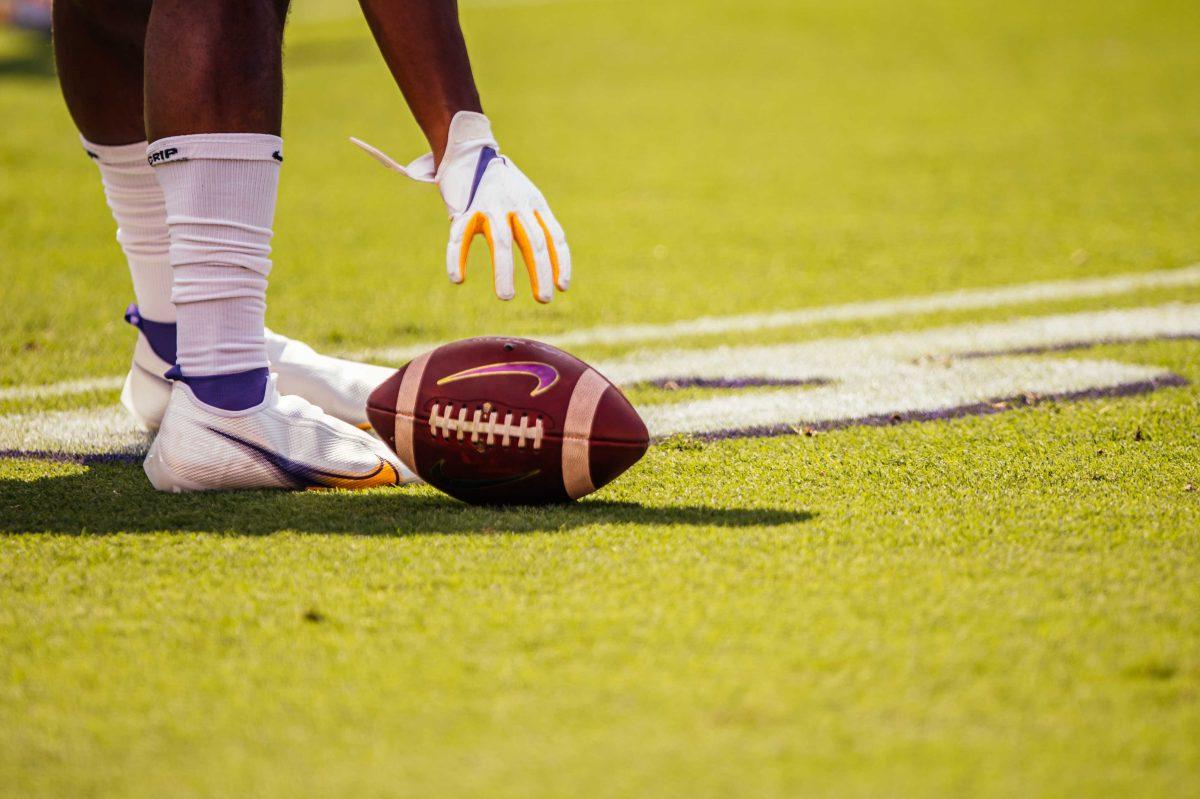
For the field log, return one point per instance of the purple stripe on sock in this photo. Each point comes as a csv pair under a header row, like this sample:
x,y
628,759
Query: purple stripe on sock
x,y
160,335
235,392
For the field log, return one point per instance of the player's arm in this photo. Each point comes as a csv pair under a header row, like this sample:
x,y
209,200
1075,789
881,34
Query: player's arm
x,y
486,194
423,46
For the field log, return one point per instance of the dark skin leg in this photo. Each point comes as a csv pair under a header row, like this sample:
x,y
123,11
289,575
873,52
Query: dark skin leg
x,y
214,66
423,46
98,51
211,66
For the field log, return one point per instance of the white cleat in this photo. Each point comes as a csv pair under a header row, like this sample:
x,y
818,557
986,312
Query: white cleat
x,y
284,442
146,392
335,385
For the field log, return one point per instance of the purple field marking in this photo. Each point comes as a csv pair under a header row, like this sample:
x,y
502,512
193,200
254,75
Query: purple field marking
x,y
1073,345
999,405
975,409
88,459
676,383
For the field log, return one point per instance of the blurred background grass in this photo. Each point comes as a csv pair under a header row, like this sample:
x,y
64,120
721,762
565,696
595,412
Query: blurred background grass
x,y
705,157
991,606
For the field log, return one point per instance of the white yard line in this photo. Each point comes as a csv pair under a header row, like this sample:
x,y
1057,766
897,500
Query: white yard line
x,y
91,431
930,373
898,390
62,389
966,299
869,355
963,300
901,374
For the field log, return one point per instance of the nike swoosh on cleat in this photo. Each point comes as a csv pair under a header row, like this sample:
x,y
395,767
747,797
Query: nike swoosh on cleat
x,y
302,475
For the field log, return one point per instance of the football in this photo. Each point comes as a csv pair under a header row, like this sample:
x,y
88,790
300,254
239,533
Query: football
x,y
501,421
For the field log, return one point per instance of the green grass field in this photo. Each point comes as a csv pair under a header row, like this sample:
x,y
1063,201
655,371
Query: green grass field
x,y
1004,604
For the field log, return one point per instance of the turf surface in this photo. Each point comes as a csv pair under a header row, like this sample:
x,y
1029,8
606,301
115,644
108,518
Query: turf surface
x,y
990,606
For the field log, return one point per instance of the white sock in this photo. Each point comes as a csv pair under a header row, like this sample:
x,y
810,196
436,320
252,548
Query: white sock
x,y
137,205
220,195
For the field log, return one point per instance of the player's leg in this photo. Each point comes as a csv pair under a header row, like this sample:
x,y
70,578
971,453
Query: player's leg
x,y
98,47
214,99
98,54
213,105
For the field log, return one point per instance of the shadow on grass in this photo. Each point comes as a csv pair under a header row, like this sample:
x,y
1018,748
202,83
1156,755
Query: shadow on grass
x,y
115,498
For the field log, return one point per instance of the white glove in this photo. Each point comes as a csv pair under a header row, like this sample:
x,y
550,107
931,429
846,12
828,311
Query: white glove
x,y
486,193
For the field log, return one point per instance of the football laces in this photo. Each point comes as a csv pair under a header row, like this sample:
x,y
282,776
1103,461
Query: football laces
x,y
484,426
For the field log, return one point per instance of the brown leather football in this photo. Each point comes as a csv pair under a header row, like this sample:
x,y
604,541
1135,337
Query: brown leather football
x,y
501,421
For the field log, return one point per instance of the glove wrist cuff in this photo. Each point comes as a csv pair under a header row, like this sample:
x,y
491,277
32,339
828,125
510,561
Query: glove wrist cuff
x,y
469,134
468,127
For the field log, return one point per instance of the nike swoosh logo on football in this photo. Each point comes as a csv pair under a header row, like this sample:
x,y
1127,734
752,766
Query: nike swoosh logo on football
x,y
545,374
303,475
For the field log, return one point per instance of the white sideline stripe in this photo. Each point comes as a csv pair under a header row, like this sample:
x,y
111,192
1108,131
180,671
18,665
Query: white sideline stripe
x,y
900,373
95,430
61,389
870,355
962,300
876,375
966,299
903,389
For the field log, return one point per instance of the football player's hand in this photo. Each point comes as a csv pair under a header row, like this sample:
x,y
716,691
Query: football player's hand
x,y
487,195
